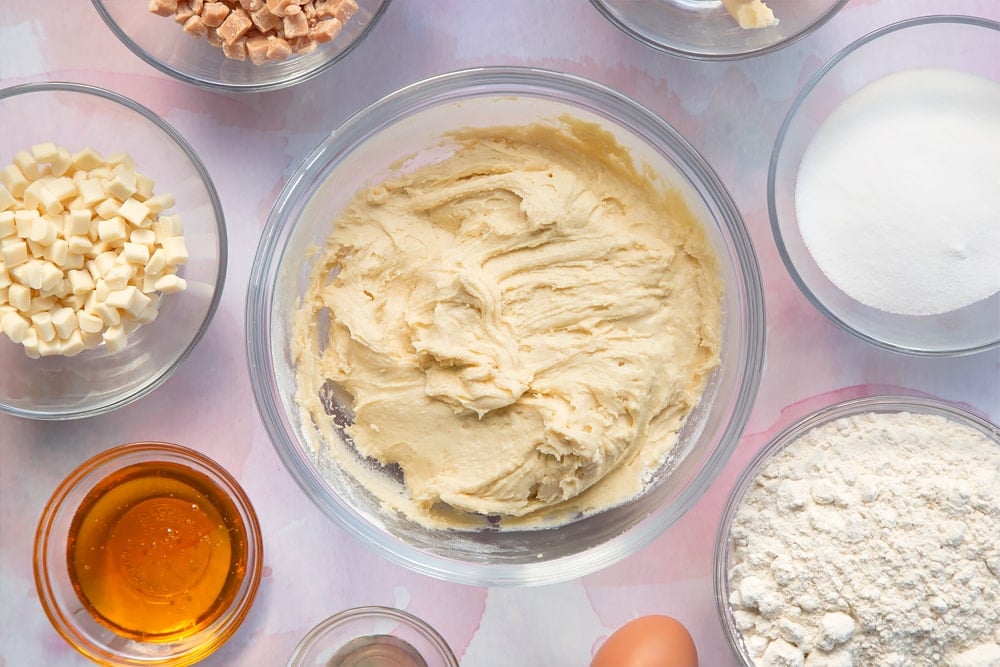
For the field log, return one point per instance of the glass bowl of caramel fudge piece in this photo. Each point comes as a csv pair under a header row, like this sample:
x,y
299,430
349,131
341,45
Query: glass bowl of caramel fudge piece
x,y
241,45
505,326
718,29
112,251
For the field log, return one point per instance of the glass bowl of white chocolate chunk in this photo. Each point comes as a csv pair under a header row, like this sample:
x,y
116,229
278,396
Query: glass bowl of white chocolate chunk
x,y
718,29
112,250
241,45
505,326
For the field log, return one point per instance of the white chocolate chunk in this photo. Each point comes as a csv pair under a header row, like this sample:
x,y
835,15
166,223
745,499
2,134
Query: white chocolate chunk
x,y
107,209
30,343
15,326
42,323
143,187
160,203
122,186
130,300
175,250
76,223
44,152
79,245
14,253
91,191
24,221
170,283
51,276
133,211
112,229
7,200
122,158
7,226
89,322
19,296
167,226
81,282
27,165
73,345
58,252
114,338
44,231
109,315
49,348
87,159
63,188
64,322
136,253
15,181
62,163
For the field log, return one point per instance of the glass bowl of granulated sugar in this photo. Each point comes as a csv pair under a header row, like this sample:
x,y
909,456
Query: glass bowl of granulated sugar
x,y
882,188
866,534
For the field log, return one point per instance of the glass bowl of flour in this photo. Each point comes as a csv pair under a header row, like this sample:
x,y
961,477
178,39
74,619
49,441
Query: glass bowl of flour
x,y
882,187
456,312
866,534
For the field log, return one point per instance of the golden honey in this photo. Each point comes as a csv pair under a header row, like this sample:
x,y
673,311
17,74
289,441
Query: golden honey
x,y
157,551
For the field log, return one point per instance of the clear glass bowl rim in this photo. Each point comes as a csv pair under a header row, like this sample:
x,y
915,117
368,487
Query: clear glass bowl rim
x,y
497,81
888,403
772,206
600,6
210,84
374,612
105,463
220,224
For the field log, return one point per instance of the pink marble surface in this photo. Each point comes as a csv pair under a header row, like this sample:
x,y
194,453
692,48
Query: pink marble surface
x,y
730,111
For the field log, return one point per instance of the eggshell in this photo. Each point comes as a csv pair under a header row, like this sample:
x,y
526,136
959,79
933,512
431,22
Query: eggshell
x,y
648,641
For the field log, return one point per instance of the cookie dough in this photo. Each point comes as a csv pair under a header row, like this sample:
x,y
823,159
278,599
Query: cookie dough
x,y
521,326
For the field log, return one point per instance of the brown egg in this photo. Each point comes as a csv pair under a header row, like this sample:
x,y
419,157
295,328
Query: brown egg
x,y
648,641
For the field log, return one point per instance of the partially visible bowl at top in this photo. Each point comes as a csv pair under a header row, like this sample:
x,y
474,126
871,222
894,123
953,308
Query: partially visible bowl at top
x,y
826,118
99,380
411,127
161,42
372,636
704,29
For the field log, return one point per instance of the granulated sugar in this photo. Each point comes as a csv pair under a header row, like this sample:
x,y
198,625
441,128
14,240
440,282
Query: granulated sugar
x,y
898,194
873,540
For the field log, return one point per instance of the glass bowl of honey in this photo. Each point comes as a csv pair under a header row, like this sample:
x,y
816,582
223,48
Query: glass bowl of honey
x,y
148,553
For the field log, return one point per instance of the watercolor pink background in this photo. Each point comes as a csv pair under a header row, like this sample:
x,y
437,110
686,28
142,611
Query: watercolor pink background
x,y
251,143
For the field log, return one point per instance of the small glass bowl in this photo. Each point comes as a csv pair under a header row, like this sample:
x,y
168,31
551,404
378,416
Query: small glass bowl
x,y
96,381
881,404
704,30
353,636
161,42
414,121
960,43
64,607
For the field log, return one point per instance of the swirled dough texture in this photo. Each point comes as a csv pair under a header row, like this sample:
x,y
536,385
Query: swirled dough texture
x,y
524,324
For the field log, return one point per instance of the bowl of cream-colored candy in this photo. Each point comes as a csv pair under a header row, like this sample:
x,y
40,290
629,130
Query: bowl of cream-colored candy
x,y
241,45
505,326
112,250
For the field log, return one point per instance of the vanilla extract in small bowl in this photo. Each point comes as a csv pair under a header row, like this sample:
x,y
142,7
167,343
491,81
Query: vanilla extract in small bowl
x,y
148,551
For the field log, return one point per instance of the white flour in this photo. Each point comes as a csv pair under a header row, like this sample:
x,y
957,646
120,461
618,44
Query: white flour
x,y
873,540
898,194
